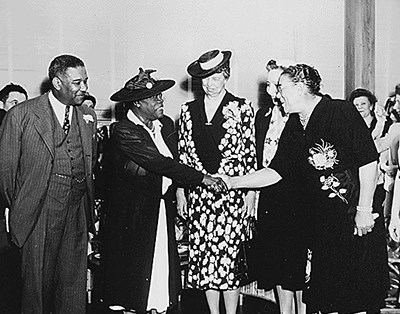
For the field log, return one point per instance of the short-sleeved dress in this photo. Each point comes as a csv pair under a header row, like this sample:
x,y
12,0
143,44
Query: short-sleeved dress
x,y
348,273
216,221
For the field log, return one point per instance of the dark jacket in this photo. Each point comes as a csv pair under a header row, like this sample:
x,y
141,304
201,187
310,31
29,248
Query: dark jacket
x,y
135,168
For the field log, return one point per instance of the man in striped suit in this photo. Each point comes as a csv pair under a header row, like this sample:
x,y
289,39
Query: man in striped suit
x,y
47,152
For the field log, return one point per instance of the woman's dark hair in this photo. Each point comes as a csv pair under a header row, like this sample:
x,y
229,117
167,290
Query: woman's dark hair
x,y
225,70
362,92
274,65
271,65
397,89
389,108
305,74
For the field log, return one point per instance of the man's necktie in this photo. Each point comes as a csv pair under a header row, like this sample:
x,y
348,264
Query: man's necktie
x,y
66,124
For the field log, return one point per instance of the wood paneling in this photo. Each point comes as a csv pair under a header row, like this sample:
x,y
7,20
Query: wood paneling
x,y
359,45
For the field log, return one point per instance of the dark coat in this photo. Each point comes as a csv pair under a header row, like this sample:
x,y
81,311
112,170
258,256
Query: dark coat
x,y
135,169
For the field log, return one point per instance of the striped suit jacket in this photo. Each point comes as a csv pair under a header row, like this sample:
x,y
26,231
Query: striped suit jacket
x,y
26,161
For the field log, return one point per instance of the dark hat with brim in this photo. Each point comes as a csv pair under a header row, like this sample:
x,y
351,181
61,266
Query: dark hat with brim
x,y
209,63
141,86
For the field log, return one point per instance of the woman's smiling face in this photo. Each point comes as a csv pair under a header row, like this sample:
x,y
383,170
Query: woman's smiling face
x,y
272,84
214,85
289,94
363,106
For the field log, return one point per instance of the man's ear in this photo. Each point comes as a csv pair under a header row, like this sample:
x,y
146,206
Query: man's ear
x,y
1,104
56,82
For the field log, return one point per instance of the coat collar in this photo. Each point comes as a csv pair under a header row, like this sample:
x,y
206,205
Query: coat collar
x,y
86,129
44,121
44,124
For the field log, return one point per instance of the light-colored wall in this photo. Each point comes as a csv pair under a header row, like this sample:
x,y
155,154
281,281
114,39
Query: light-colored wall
x,y
115,38
387,50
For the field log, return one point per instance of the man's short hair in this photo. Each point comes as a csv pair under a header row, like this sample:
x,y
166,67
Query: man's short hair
x,y
60,64
6,90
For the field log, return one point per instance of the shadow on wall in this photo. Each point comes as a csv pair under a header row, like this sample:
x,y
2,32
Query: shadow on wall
x,y
196,87
45,86
263,99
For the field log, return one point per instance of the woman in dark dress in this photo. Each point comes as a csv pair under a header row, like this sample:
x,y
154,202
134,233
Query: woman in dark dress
x,y
141,266
338,165
281,244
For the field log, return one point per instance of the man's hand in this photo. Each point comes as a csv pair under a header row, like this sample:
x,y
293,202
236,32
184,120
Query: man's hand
x,y
364,222
215,183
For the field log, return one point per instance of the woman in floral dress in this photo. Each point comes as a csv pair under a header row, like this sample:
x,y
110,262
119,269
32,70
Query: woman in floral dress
x,y
339,167
216,135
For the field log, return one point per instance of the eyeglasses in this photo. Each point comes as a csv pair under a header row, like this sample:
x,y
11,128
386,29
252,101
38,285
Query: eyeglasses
x,y
281,89
157,97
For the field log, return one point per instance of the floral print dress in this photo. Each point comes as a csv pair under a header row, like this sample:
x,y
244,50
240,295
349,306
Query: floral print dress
x,y
216,221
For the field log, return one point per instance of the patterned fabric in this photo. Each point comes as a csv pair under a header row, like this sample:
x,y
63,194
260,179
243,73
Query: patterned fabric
x,y
67,123
274,132
217,221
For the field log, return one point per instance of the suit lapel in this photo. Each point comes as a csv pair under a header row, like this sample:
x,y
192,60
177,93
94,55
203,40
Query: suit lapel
x,y
86,132
44,122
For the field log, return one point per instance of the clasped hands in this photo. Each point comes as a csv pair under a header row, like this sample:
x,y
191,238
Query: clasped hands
x,y
364,222
217,182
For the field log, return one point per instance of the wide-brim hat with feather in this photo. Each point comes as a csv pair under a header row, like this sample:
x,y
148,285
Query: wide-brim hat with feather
x,y
209,63
141,86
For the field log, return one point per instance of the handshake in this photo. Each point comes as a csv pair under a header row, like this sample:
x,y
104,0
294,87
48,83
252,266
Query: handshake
x,y
219,183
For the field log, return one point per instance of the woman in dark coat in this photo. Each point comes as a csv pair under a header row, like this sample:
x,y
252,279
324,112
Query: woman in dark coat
x,y
141,261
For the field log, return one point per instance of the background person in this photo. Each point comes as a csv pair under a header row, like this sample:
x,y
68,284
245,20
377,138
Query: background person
x,y
141,260
394,225
374,116
216,135
10,259
10,95
281,242
47,151
392,105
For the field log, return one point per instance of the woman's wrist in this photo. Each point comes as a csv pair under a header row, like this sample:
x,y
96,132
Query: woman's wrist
x,y
364,209
233,182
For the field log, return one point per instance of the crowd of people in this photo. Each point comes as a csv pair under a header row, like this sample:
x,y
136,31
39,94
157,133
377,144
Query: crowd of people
x,y
318,175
